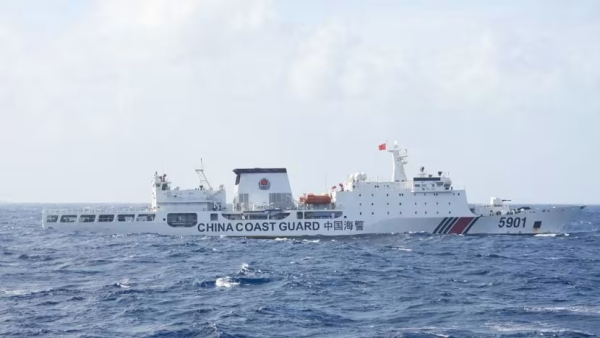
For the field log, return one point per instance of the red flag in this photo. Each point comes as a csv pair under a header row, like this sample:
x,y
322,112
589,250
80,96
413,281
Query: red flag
x,y
382,146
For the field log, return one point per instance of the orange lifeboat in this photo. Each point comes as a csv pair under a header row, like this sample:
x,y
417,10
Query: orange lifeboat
x,y
315,199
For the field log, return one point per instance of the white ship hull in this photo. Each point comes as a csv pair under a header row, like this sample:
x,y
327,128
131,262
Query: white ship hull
x,y
263,206
524,223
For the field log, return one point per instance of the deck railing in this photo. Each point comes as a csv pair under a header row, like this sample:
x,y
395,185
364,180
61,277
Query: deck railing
x,y
99,210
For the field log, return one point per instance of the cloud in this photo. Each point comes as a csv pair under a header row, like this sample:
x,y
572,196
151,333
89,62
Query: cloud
x,y
319,62
156,81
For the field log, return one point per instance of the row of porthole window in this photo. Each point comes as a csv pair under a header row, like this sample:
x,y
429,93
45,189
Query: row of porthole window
x,y
414,194
436,203
437,213
359,195
173,219
101,218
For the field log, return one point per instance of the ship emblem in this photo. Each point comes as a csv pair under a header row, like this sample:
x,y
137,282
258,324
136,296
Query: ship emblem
x,y
264,184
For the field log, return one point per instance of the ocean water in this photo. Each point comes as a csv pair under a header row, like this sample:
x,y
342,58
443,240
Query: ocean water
x,y
56,284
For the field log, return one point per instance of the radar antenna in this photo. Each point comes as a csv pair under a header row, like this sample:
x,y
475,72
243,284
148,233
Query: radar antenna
x,y
203,180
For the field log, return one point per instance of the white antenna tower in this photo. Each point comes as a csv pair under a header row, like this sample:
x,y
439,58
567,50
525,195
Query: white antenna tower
x,y
202,176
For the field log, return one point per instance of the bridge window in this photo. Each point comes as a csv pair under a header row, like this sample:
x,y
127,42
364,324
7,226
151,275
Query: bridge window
x,y
300,215
182,219
68,218
214,217
52,218
322,214
106,218
145,217
228,216
126,218
87,218
255,216
281,215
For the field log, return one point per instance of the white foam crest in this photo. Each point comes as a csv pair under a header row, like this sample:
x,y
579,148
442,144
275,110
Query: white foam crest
x,y
282,239
312,241
245,267
402,249
535,326
545,235
226,282
576,308
510,327
14,292
123,283
427,329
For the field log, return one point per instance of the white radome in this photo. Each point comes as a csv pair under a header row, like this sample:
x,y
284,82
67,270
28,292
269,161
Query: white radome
x,y
263,206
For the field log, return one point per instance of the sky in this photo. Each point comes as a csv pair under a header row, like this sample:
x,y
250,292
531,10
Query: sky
x,y
95,96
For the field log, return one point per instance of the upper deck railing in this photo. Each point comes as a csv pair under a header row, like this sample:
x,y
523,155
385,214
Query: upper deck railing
x,y
97,210
296,206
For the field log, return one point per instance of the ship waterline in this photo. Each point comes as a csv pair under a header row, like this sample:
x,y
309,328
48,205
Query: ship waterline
x,y
263,206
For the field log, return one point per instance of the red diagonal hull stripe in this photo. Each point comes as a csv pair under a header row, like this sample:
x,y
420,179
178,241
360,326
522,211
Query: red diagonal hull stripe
x,y
460,226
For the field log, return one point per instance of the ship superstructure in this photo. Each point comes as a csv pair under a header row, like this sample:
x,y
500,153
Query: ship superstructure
x,y
263,206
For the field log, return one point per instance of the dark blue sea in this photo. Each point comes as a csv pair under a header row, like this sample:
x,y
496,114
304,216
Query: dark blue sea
x,y
55,284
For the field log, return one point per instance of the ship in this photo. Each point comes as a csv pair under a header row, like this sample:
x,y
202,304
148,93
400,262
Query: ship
x,y
263,206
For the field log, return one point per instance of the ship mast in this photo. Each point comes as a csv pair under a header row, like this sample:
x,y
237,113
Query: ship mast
x,y
399,160
203,180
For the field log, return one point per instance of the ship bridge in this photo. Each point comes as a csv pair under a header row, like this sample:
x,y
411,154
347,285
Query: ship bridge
x,y
430,183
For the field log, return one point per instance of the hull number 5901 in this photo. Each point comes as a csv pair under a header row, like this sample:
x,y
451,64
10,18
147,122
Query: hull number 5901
x,y
512,222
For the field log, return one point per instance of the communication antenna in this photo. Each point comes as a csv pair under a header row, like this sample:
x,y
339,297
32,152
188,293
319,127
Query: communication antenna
x,y
202,176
